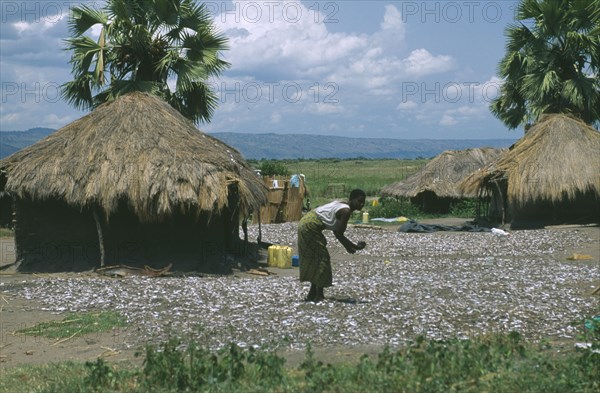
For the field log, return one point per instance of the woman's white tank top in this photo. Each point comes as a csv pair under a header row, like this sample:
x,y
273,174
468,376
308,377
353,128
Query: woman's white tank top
x,y
326,213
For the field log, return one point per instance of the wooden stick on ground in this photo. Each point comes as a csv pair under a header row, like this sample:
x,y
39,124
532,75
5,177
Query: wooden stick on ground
x,y
66,339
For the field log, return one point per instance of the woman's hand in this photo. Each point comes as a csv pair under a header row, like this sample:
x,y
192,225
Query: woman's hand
x,y
352,248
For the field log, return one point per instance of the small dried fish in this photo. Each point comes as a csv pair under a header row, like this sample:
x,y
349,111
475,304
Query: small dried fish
x,y
124,271
439,285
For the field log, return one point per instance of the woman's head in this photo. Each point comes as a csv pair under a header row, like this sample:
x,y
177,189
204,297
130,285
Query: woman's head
x,y
357,199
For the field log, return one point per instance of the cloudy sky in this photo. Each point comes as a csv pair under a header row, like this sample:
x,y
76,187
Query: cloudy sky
x,y
395,69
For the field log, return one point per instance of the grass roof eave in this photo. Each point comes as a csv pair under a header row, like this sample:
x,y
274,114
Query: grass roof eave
x,y
139,149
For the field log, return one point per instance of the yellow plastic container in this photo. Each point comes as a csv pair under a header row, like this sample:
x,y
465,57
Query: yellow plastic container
x,y
280,256
271,256
365,217
285,261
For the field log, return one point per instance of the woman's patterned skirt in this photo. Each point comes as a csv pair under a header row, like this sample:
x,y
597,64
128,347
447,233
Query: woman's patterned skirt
x,y
315,263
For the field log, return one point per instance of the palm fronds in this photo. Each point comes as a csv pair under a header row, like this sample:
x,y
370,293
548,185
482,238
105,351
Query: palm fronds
x,y
551,63
145,43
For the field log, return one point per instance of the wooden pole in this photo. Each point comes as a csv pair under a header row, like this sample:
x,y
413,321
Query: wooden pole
x,y
501,202
100,236
259,229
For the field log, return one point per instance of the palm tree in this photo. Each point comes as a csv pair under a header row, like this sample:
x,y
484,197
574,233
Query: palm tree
x,y
143,45
552,62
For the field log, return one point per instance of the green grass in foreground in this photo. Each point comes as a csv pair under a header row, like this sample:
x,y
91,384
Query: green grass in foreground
x,y
76,324
495,363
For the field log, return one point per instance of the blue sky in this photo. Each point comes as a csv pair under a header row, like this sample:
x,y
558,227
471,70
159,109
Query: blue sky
x,y
394,69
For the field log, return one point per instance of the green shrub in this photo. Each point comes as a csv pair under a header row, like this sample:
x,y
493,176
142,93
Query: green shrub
x,y
197,369
499,363
273,168
464,208
392,207
101,377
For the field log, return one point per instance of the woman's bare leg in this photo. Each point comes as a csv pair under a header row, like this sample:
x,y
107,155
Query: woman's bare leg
x,y
319,294
312,293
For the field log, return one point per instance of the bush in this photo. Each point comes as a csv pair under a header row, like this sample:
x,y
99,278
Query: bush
x,y
464,208
392,207
273,168
500,363
197,369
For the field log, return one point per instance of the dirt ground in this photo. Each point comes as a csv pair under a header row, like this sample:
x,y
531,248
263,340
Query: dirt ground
x,y
18,313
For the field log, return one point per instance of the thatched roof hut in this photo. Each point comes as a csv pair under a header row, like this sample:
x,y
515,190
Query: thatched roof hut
x,y
436,184
133,170
554,169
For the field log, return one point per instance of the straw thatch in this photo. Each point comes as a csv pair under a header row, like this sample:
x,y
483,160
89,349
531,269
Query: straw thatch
x,y
551,174
556,160
133,182
441,175
139,149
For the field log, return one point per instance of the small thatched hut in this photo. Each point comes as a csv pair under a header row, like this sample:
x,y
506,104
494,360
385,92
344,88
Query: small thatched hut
x,y
435,186
133,182
552,174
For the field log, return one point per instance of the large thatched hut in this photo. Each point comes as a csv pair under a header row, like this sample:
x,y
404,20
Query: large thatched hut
x,y
552,174
133,182
435,186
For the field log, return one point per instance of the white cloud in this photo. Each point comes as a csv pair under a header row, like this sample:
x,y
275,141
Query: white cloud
x,y
288,39
421,62
9,119
448,120
392,19
25,28
463,114
54,121
281,49
275,118
95,31
407,105
468,110
363,61
323,108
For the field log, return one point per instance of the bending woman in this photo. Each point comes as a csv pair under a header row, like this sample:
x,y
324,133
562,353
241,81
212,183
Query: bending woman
x,y
315,262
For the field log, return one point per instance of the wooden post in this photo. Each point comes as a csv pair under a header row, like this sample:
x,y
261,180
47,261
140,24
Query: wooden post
x,y
501,202
100,236
259,229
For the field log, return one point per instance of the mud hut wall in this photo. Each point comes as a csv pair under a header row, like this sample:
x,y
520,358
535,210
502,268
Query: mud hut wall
x,y
499,209
188,241
585,208
6,211
53,236
231,216
429,202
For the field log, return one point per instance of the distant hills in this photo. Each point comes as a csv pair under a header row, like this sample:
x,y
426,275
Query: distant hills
x,y
11,141
280,146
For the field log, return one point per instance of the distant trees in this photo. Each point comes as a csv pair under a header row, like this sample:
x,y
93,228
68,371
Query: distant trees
x,y
143,45
273,168
552,62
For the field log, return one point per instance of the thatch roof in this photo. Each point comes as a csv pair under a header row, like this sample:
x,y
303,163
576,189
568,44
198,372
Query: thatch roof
x,y
556,159
137,149
442,174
